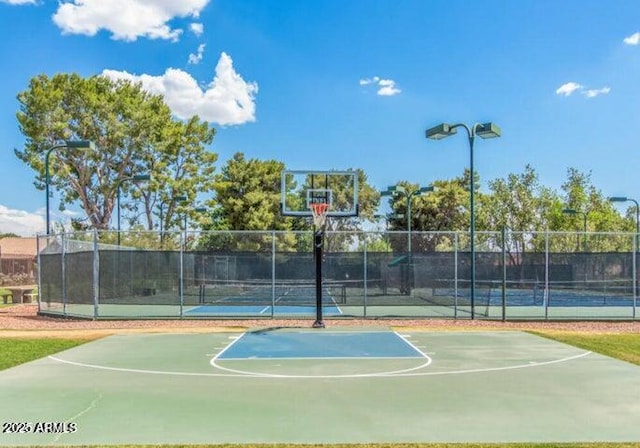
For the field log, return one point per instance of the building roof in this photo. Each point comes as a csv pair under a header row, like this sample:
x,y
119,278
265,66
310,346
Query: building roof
x,y
15,247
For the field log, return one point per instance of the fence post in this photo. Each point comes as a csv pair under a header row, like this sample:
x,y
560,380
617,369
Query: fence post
x,y
364,275
634,264
63,282
39,269
455,275
273,274
545,292
504,274
96,276
181,283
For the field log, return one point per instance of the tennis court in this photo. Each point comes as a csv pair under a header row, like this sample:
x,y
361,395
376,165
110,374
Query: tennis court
x,y
265,299
373,298
335,385
271,274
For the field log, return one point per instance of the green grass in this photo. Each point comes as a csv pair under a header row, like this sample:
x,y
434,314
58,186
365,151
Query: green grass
x,y
14,351
405,445
624,346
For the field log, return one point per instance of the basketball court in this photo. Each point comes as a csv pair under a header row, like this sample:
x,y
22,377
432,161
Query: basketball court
x,y
314,386
332,385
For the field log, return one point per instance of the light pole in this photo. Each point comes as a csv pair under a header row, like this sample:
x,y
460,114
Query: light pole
x,y
572,211
484,130
409,195
69,144
135,178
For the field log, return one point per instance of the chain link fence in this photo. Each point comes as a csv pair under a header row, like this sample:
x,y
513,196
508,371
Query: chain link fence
x,y
242,274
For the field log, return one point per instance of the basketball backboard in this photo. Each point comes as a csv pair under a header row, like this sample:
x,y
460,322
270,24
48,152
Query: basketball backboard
x,y
339,189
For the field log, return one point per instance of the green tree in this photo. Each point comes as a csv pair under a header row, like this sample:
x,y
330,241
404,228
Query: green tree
x,y
581,195
517,205
513,204
375,243
446,209
248,193
248,198
134,133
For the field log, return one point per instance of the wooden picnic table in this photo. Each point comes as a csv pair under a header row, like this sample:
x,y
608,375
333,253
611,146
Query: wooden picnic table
x,y
21,294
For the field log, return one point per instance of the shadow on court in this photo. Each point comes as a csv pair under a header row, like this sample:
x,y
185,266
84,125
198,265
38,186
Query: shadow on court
x,y
297,385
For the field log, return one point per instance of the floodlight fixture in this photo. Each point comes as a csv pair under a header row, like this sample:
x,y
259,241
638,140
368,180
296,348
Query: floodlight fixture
x,y
441,131
482,130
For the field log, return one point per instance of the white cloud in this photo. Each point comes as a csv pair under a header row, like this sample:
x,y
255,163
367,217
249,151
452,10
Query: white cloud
x,y
19,2
634,39
227,100
125,19
196,58
367,81
568,88
592,93
387,87
197,28
20,222
572,87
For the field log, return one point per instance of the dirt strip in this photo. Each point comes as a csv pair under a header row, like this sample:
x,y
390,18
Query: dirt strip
x,y
23,321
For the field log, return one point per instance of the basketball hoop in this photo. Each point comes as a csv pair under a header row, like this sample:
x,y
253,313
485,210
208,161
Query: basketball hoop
x,y
319,211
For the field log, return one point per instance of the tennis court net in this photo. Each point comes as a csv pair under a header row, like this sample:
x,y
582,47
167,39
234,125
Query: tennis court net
x,y
530,293
266,293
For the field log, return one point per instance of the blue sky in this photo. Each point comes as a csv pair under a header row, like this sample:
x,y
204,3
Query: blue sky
x,y
328,84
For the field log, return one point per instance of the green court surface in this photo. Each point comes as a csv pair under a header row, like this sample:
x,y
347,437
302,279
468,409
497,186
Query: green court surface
x,y
333,385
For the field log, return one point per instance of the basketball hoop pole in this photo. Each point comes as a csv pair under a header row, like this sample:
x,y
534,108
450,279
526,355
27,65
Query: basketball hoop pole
x,y
318,236
319,210
318,188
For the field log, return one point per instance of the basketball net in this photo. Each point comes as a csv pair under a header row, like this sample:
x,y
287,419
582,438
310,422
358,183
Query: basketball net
x,y
319,211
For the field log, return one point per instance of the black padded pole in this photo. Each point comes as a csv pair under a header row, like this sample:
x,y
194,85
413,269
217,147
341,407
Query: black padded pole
x,y
317,250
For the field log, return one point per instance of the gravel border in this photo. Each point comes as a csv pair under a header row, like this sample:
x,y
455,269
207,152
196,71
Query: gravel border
x,y
23,321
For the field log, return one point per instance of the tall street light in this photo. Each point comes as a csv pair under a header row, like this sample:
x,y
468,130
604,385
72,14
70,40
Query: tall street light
x,y
69,144
409,195
484,130
572,211
135,178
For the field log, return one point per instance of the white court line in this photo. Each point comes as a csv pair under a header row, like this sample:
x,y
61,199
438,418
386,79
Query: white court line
x,y
241,374
497,369
146,371
322,358
249,374
406,339
214,361
235,339
350,375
